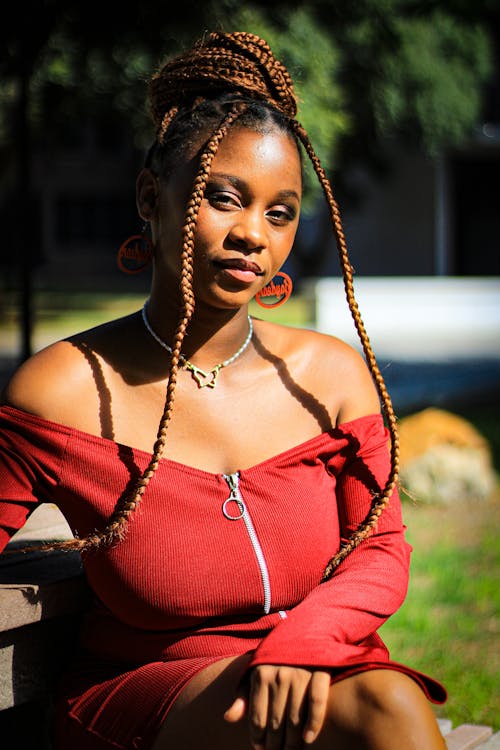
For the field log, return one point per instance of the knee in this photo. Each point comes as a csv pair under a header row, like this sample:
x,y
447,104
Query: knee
x,y
377,695
381,710
390,693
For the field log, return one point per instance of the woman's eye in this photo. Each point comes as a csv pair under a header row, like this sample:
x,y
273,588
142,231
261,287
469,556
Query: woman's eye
x,y
223,200
281,214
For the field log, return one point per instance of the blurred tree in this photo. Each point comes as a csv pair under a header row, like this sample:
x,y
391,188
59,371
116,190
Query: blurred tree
x,y
62,67
431,91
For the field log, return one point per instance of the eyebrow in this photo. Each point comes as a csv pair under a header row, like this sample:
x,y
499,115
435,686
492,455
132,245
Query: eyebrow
x,y
241,185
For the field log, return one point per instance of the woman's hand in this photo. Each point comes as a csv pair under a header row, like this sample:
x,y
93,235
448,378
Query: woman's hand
x,y
285,706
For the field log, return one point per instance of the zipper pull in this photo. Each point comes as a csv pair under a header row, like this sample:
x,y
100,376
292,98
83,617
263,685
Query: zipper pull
x,y
233,481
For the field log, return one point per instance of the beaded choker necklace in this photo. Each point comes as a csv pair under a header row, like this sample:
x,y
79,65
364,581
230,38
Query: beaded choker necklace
x,y
202,378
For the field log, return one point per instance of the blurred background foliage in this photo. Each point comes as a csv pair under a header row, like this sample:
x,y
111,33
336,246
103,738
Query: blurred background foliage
x,y
420,74
365,70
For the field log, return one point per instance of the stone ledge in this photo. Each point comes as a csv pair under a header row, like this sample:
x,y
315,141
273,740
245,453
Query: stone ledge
x,y
24,604
38,629
32,657
42,598
39,585
468,737
492,744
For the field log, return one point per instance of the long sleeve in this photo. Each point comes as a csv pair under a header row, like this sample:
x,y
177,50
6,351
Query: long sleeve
x,y
29,468
336,624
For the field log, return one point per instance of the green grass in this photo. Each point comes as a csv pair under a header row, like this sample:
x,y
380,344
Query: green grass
x,y
58,314
448,626
297,311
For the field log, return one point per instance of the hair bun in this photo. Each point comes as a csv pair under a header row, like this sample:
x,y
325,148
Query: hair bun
x,y
238,61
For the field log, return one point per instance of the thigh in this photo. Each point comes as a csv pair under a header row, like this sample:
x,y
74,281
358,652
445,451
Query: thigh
x,y
380,709
196,719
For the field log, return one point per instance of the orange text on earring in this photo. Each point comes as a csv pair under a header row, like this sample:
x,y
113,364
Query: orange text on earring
x,y
279,292
135,254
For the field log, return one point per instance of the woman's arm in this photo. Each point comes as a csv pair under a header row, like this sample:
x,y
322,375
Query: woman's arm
x,y
30,464
329,627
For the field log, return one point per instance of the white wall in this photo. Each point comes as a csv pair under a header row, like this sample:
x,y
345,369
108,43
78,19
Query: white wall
x,y
416,318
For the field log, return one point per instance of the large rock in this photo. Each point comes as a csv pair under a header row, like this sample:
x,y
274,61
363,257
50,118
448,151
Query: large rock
x,y
444,459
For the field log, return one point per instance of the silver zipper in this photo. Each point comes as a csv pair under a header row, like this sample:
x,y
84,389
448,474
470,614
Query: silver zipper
x,y
233,481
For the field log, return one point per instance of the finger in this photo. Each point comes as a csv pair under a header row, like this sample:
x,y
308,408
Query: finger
x,y
277,719
317,702
236,710
258,704
296,712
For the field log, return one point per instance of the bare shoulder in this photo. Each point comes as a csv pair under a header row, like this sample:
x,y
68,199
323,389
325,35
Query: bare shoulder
x,y
50,383
68,381
331,369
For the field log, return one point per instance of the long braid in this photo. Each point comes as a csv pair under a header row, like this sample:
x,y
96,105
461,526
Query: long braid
x,y
187,307
186,288
235,66
382,499
116,527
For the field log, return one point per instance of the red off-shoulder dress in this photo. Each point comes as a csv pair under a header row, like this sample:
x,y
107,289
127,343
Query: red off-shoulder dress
x,y
212,566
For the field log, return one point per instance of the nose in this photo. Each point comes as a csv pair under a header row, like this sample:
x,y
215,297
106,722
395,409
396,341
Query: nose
x,y
248,231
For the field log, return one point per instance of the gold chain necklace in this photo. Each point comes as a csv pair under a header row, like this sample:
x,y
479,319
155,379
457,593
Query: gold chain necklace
x,y
201,377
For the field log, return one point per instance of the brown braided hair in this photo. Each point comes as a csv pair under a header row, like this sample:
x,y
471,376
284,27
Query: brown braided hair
x,y
381,500
223,79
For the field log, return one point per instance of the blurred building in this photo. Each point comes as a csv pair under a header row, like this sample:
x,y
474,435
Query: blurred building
x,y
422,217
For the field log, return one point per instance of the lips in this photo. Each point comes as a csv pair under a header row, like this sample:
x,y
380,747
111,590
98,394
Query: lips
x,y
240,264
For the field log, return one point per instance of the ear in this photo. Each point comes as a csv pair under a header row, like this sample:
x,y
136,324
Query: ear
x,y
146,192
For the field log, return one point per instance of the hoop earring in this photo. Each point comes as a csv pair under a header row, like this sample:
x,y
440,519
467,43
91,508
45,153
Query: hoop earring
x,y
135,253
277,291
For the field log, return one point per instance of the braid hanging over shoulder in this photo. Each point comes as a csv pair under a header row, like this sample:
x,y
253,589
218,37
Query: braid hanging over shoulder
x,y
239,66
244,64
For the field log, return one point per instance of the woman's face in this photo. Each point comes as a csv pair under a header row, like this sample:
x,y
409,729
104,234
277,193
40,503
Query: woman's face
x,y
247,220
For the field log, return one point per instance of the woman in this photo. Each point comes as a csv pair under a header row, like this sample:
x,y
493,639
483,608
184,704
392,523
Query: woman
x,y
241,571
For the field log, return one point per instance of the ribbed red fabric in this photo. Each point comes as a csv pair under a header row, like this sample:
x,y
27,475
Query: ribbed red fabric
x,y
185,587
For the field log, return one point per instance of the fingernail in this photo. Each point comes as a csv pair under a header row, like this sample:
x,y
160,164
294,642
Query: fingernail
x,y
309,737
